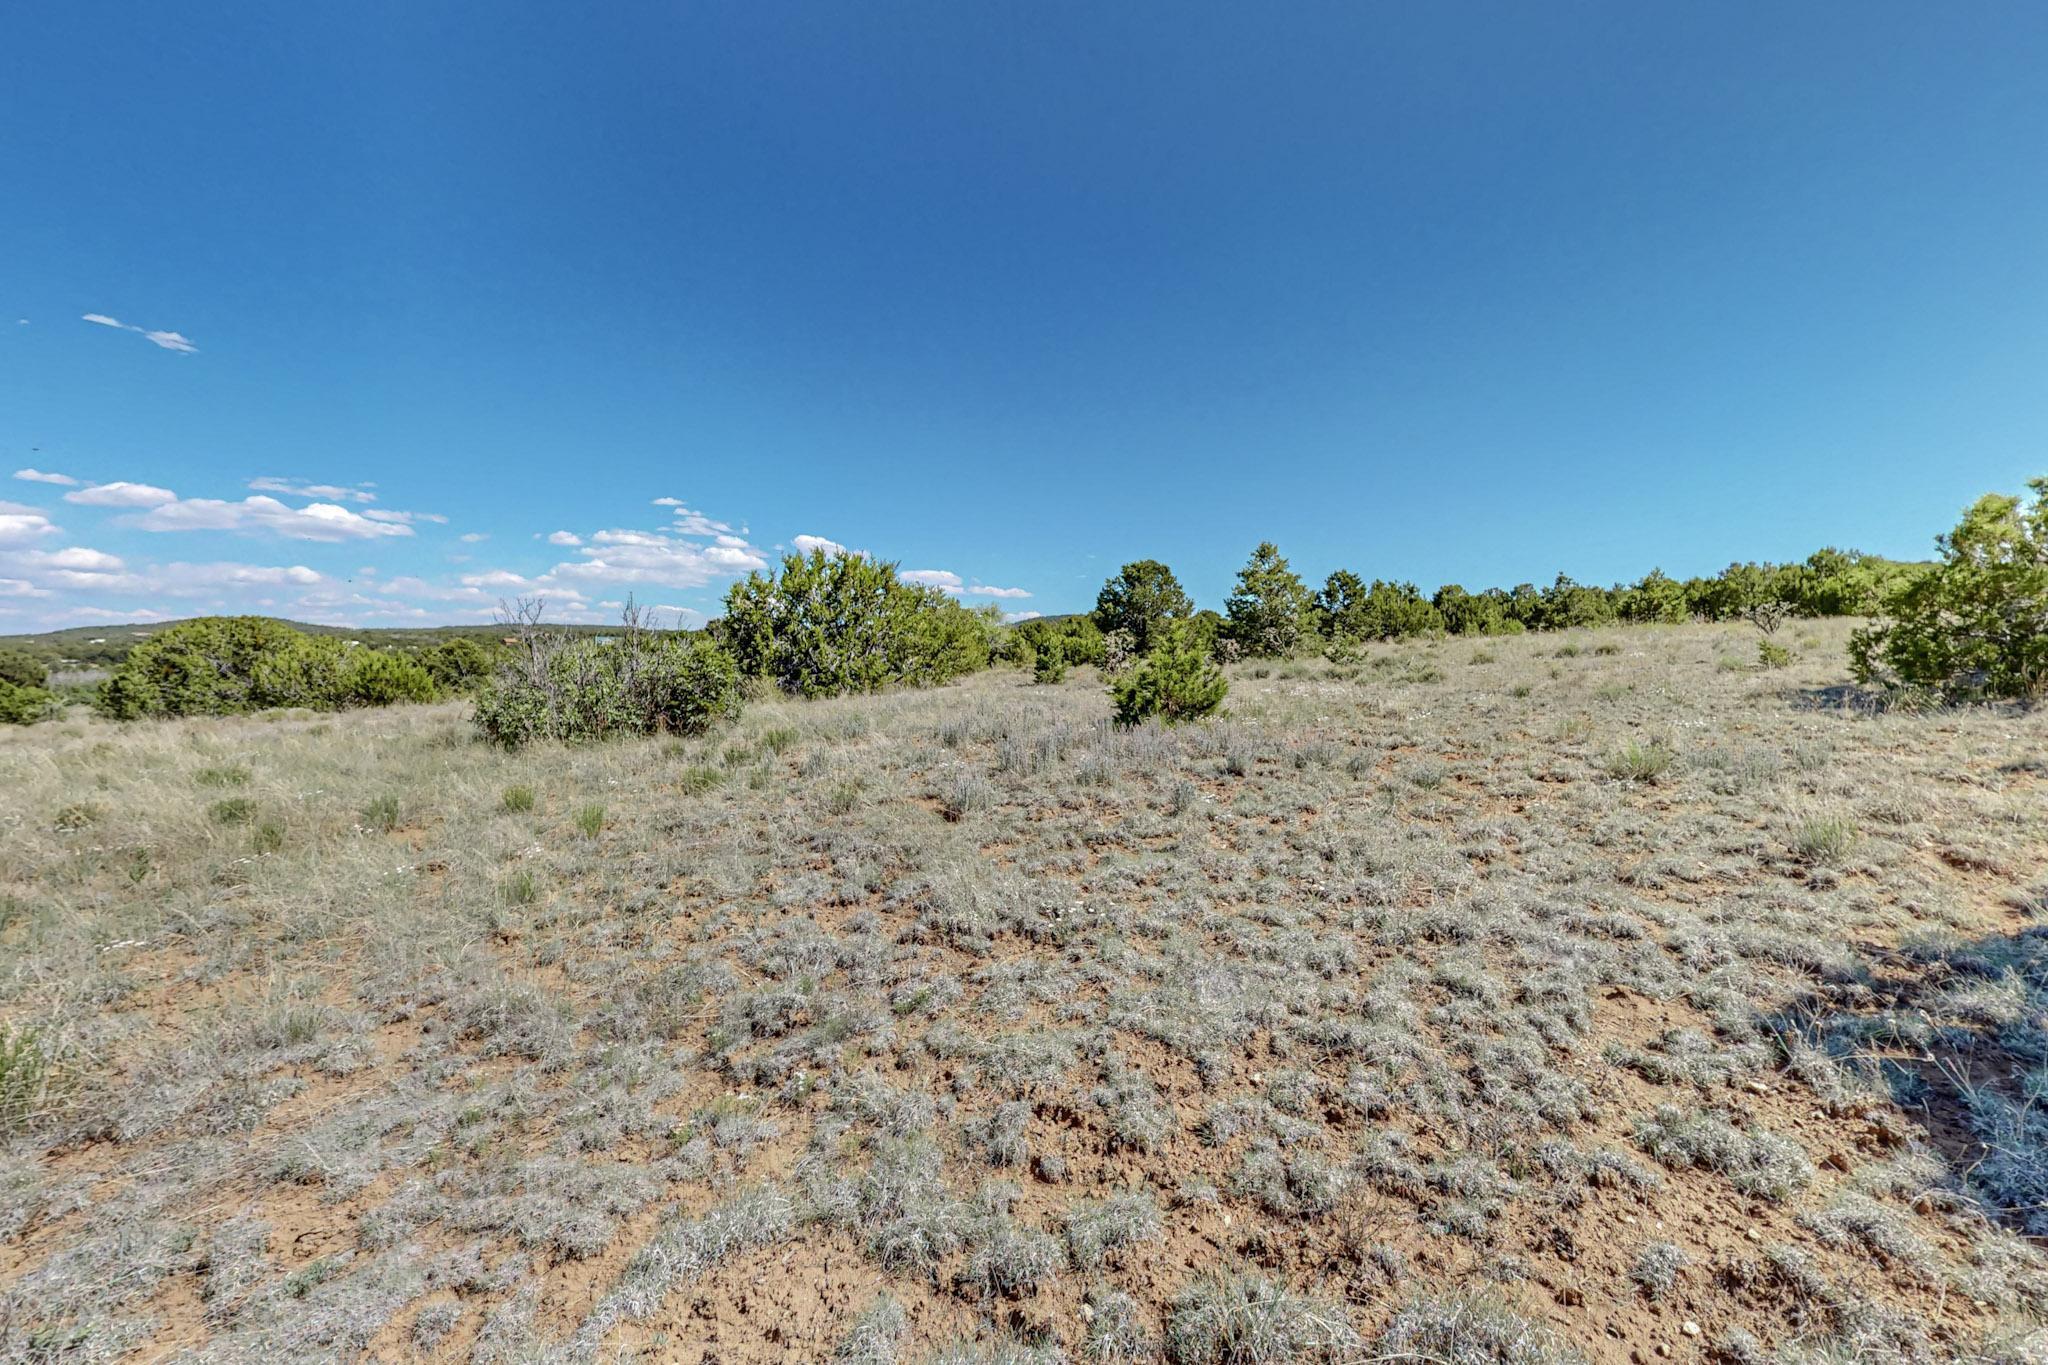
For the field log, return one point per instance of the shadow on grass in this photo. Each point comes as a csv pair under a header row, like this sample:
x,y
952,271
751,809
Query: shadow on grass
x,y
1955,1030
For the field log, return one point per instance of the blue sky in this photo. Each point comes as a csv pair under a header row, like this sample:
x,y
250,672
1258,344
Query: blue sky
x,y
380,312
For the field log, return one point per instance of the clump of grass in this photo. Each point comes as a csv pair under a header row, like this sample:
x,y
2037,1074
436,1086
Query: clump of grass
x,y
1757,1163
1095,1229
24,1074
233,810
79,815
699,778
521,888
1248,1320
1607,649
267,837
1638,762
518,800
590,819
1823,840
382,814
1656,1268
1771,654
234,775
876,1336
1460,1330
778,739
842,797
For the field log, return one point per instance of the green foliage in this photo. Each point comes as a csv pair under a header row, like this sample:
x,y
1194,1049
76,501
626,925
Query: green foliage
x,y
1976,624
1771,654
1482,613
1049,667
1074,639
1143,599
373,677
1655,598
204,667
19,668
383,814
1384,611
1269,610
21,705
636,684
25,1074
225,665
1176,682
519,800
590,820
460,665
831,624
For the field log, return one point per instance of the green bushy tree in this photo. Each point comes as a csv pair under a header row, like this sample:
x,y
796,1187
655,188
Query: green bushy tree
x,y
22,669
21,705
1567,603
1480,613
828,624
378,677
1349,610
1176,682
1142,599
459,665
1976,623
211,666
1269,609
1655,598
1073,639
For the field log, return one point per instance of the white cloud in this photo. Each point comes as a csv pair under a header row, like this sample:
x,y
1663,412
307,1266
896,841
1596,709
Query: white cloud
x,y
565,538
806,544
326,492
945,580
668,502
21,587
170,341
44,476
475,537
19,524
76,557
316,521
1013,617
121,494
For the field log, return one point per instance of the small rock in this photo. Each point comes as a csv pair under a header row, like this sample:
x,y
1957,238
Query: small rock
x,y
1838,1160
1689,1327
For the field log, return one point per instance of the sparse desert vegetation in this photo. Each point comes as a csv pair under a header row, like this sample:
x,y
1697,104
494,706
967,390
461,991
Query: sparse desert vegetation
x,y
1521,1004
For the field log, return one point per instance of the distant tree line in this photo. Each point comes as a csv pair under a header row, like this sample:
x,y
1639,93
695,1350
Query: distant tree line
x,y
1974,624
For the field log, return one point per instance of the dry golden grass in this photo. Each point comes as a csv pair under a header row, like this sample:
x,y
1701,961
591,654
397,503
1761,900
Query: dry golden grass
x,y
1477,998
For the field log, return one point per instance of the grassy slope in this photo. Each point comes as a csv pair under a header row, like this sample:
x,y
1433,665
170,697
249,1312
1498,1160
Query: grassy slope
x,y
1383,992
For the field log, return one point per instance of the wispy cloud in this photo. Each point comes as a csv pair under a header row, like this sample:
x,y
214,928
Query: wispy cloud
x,y
170,341
983,590
324,521
565,538
45,476
326,492
121,493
